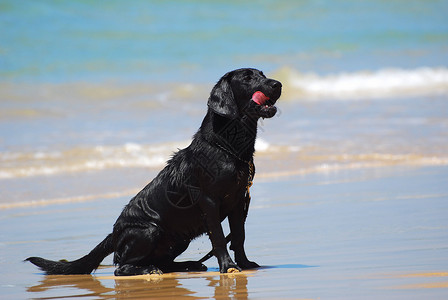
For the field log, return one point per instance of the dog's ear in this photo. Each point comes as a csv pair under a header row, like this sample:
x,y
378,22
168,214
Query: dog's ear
x,y
221,99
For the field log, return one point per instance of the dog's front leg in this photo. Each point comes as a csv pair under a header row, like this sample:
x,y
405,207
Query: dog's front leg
x,y
237,219
210,210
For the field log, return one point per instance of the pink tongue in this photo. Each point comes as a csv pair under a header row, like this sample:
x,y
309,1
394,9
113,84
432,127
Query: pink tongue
x,y
259,98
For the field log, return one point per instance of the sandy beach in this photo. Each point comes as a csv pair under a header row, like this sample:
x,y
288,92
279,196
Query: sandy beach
x,y
374,233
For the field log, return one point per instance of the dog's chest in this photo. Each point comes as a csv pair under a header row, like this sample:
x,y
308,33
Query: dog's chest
x,y
240,182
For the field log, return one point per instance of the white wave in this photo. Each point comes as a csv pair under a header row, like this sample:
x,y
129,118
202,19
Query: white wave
x,y
81,159
72,199
27,164
261,145
365,84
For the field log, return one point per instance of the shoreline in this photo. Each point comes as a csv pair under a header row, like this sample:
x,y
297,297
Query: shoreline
x,y
266,173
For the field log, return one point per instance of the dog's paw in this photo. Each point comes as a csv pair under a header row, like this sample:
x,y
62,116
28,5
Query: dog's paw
x,y
230,268
152,271
233,270
248,265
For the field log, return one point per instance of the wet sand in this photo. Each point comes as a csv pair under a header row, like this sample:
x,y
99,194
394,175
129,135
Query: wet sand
x,y
370,233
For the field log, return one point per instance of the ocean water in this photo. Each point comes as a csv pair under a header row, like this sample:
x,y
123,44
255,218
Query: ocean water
x,y
198,41
93,88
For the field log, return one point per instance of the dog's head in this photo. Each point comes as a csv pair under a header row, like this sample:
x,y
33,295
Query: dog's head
x,y
245,91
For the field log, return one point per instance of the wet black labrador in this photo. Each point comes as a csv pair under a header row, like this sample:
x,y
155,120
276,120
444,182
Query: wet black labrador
x,y
200,186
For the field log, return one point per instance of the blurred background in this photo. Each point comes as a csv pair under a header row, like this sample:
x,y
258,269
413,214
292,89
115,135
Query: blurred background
x,y
96,95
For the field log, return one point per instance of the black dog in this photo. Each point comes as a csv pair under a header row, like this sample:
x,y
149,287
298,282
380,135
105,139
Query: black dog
x,y
200,186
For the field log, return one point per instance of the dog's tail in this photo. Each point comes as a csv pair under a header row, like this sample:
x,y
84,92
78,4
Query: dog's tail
x,y
84,265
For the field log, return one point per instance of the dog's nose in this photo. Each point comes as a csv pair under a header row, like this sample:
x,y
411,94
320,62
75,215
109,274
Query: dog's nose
x,y
276,84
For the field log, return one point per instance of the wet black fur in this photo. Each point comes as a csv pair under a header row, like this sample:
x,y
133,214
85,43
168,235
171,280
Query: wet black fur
x,y
200,186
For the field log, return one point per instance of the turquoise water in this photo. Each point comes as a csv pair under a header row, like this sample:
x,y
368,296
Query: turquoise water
x,y
186,41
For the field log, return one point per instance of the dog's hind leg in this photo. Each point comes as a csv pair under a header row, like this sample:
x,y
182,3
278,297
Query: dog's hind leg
x,y
184,266
130,270
169,265
135,251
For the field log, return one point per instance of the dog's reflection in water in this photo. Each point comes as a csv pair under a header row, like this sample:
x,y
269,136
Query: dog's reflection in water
x,y
173,286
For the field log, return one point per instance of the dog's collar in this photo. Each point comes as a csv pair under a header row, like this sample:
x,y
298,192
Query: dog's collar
x,y
250,164
228,151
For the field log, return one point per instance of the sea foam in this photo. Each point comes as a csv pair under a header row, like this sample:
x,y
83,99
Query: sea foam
x,y
383,83
82,159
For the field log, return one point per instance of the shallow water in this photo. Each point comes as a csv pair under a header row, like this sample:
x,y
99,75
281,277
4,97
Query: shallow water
x,y
370,233
126,148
